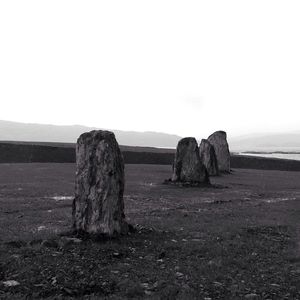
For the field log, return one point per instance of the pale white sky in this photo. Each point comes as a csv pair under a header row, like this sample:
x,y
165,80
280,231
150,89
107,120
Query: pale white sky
x,y
182,67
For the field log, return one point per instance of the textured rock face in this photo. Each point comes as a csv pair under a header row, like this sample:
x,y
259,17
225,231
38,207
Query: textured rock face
x,y
98,206
208,157
219,142
187,165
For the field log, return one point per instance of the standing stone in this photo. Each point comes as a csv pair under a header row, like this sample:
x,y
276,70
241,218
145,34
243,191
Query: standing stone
x,y
98,207
208,157
187,166
219,142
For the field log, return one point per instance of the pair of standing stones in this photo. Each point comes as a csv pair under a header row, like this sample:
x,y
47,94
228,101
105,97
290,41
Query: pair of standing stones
x,y
98,206
193,164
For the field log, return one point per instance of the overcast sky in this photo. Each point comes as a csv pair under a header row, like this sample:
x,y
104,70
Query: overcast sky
x,y
182,67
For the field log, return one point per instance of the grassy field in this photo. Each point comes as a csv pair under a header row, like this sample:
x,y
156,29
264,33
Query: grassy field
x,y
237,240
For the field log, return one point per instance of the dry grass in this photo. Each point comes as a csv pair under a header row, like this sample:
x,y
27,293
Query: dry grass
x,y
220,243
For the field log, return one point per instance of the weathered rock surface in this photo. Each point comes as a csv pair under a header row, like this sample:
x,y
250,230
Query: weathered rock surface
x,y
219,141
98,207
187,165
208,157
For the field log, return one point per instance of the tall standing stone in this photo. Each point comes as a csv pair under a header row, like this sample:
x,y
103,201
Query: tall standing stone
x,y
219,141
98,207
187,165
208,157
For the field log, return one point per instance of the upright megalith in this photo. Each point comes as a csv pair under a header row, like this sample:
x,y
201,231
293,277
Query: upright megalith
x,y
208,157
187,165
98,207
219,141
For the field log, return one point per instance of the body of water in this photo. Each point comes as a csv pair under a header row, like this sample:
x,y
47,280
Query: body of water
x,y
294,156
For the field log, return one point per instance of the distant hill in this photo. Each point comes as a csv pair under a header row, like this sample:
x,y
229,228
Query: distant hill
x,y
31,152
289,141
14,131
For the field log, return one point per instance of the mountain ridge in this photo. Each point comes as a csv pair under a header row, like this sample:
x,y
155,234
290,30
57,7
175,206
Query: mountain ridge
x,y
287,141
32,132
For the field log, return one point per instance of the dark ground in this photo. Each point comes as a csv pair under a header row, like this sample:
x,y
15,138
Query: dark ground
x,y
33,152
238,241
